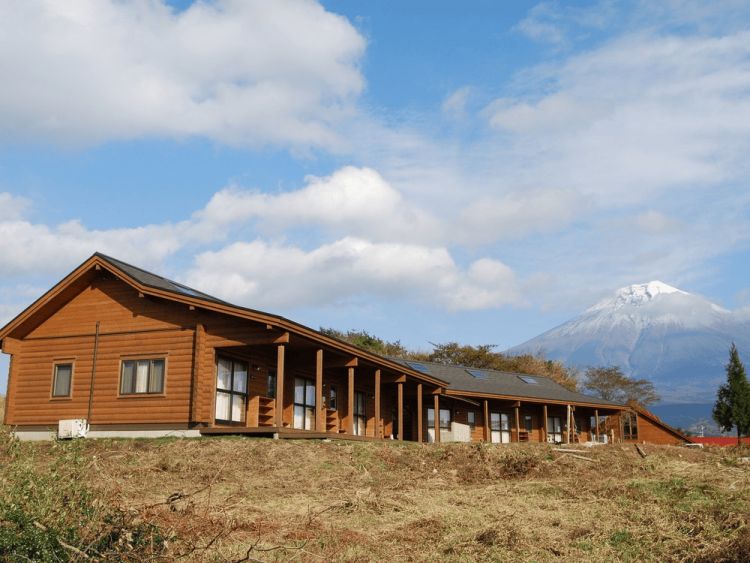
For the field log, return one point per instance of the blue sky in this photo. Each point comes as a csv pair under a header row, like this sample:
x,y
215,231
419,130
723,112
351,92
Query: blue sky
x,y
428,171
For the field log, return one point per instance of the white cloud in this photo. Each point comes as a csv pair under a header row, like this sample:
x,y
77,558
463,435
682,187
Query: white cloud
x,y
12,207
655,222
638,117
38,249
237,71
518,214
353,201
454,105
259,274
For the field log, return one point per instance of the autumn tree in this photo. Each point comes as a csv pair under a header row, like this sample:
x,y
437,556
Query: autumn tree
x,y
482,356
610,384
732,408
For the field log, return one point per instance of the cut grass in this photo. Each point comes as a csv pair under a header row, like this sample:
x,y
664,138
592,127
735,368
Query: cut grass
x,y
276,500
223,499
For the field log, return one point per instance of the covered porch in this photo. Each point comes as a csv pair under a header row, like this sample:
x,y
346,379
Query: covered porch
x,y
284,386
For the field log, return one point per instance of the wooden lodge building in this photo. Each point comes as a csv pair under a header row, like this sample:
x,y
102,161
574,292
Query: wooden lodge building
x,y
134,354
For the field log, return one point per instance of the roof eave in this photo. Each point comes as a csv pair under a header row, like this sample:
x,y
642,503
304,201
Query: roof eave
x,y
499,396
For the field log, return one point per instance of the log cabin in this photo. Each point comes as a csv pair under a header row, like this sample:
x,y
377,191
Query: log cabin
x,y
133,354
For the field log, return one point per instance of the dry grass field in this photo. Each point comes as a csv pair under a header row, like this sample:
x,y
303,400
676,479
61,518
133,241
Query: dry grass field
x,y
241,499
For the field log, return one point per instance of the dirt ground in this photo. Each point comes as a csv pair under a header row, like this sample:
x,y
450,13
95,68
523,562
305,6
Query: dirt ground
x,y
232,498
251,499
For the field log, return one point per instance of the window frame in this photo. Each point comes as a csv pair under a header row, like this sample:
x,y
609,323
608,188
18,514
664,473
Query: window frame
x,y
552,433
431,422
55,365
305,406
471,419
528,423
333,398
271,376
359,417
150,358
630,421
231,392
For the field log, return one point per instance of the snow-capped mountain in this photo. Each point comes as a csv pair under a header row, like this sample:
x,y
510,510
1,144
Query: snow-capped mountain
x,y
678,340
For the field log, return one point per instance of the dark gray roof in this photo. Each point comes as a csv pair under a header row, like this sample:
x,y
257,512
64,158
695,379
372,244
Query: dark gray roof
x,y
157,282
505,383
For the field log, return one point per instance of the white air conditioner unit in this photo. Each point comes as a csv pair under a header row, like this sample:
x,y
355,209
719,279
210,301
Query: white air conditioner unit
x,y
72,428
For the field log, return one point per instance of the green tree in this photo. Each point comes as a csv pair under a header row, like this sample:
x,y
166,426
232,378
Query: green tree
x,y
732,408
611,384
369,342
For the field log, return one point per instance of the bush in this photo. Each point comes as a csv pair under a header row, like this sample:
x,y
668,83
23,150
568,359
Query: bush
x,y
48,512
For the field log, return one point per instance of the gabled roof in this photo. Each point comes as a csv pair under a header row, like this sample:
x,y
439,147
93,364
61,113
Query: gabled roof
x,y
644,412
494,383
158,286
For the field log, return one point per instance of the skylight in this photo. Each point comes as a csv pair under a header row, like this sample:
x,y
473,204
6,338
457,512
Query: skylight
x,y
528,379
478,373
419,367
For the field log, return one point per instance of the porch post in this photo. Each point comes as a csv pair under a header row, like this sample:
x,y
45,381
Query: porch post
x,y
350,403
400,410
320,419
280,385
518,422
436,419
378,420
596,424
567,426
486,421
419,412
544,423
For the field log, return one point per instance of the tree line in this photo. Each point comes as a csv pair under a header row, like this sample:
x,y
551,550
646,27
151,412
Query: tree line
x,y
608,383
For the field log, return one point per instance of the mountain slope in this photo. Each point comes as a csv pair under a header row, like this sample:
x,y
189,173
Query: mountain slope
x,y
676,339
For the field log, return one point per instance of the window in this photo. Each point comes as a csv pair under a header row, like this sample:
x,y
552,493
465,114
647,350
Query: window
x,y
472,418
231,390
554,429
629,426
495,421
528,423
332,404
528,379
419,367
142,377
360,418
61,381
304,404
477,373
444,420
271,390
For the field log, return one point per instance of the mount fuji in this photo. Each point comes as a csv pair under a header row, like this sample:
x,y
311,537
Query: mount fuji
x,y
654,331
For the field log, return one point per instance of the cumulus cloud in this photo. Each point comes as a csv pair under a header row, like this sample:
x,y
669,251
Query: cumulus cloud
x,y
236,71
40,249
354,201
266,275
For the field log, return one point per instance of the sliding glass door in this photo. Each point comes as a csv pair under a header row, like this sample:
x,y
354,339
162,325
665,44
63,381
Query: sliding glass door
x,y
360,419
304,404
231,391
554,429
